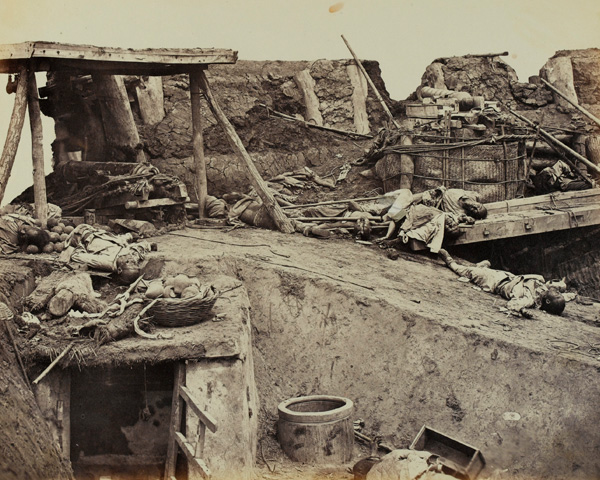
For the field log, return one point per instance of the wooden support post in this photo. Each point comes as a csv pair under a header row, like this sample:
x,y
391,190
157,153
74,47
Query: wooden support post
x,y
306,84
119,127
198,144
371,84
283,223
37,152
575,104
15,127
557,143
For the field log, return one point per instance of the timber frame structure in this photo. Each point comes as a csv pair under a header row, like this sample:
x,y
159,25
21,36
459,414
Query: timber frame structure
x,y
106,64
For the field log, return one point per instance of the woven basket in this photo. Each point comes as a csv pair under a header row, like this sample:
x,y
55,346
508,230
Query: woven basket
x,y
494,171
183,312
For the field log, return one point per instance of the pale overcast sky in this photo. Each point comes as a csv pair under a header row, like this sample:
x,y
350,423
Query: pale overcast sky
x,y
404,36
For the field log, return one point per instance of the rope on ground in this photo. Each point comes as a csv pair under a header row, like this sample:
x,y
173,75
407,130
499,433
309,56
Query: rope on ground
x,y
337,279
564,346
231,244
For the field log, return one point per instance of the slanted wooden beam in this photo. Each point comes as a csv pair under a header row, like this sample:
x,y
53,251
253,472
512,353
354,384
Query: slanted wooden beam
x,y
371,84
283,223
37,152
15,127
557,143
198,144
119,127
575,104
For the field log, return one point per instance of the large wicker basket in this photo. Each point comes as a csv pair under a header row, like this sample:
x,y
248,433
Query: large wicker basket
x,y
182,312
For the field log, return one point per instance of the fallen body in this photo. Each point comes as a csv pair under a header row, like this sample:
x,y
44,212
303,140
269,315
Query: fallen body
x,y
522,291
106,251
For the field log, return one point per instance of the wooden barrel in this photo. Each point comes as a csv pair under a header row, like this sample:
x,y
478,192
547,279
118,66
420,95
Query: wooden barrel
x,y
316,429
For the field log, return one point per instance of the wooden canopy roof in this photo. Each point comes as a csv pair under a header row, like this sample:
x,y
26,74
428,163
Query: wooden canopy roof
x,y
45,56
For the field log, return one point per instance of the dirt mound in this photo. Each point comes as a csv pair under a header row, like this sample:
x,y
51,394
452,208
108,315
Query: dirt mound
x,y
27,449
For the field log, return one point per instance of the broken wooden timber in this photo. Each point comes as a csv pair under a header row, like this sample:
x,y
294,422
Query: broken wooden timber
x,y
37,152
575,104
557,142
283,223
15,127
198,144
371,84
545,213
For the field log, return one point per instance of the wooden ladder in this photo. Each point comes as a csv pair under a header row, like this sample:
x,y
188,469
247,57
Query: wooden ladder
x,y
193,450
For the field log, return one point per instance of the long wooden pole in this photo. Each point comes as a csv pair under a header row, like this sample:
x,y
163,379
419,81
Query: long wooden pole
x,y
334,202
558,143
283,223
371,84
198,144
575,104
53,364
15,127
37,152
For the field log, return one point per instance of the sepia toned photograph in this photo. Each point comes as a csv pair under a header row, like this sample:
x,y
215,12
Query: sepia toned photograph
x,y
299,240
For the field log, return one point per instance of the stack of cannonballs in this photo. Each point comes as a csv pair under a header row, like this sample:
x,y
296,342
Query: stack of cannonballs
x,y
34,239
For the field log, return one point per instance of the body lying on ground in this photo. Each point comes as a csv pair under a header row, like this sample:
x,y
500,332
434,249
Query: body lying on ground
x,y
559,177
102,250
522,291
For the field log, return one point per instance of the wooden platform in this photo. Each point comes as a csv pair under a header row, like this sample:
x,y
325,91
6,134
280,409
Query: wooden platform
x,y
539,214
125,61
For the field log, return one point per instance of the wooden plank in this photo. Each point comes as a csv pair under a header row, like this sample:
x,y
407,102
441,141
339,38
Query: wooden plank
x,y
188,56
188,449
15,127
192,403
175,424
37,152
198,144
528,223
560,199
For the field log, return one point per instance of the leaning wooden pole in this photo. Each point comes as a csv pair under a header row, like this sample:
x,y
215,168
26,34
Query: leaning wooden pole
x,y
371,84
15,127
198,145
283,223
554,141
37,152
575,104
